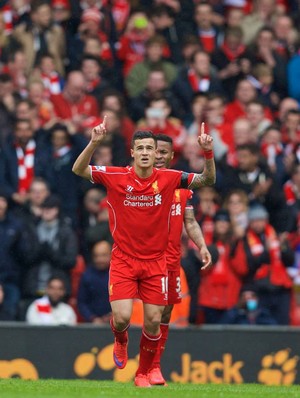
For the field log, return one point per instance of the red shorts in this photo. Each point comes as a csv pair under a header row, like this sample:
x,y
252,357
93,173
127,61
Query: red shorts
x,y
174,287
130,277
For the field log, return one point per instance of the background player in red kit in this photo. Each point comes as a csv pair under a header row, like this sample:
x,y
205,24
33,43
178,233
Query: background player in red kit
x,y
182,211
139,200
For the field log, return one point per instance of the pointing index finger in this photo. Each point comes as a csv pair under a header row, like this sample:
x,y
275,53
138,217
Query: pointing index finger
x,y
104,121
202,130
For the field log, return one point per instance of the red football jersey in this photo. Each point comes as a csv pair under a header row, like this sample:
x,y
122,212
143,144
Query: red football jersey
x,y
139,208
180,203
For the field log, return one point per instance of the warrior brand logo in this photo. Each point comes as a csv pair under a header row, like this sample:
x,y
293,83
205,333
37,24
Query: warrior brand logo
x,y
100,168
129,188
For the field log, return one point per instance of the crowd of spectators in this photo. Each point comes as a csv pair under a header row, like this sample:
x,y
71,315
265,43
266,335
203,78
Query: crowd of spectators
x,y
167,66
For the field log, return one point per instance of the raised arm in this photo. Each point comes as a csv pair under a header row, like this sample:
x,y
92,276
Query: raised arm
x,y
208,176
195,233
81,165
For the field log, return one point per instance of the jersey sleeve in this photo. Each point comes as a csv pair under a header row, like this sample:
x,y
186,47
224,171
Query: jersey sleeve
x,y
186,179
105,174
189,203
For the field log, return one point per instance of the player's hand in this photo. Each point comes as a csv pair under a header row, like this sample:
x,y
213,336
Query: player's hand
x,y
206,257
99,132
204,140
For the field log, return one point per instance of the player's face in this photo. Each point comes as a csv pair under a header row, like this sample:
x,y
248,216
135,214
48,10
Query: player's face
x,y
164,155
143,153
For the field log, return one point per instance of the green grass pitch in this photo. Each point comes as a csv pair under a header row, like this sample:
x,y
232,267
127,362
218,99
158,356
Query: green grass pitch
x,y
13,388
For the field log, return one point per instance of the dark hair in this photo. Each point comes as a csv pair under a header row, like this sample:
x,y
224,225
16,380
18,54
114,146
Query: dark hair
x,y
28,121
57,276
90,57
199,51
251,147
26,101
5,78
164,138
142,134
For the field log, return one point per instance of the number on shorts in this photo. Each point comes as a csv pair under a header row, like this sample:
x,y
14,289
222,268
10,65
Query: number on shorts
x,y
178,285
164,284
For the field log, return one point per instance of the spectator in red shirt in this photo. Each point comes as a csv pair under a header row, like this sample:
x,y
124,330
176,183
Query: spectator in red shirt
x,y
73,104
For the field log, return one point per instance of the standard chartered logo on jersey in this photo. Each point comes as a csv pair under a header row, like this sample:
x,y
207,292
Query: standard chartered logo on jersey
x,y
142,200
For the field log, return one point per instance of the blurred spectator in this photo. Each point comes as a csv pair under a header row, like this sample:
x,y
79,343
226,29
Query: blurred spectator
x,y
254,177
218,128
236,203
26,109
190,44
56,250
23,158
234,17
286,105
52,80
90,26
115,137
98,231
199,106
273,151
73,104
8,101
91,203
198,76
156,86
39,36
242,134
220,285
114,100
37,93
262,15
262,78
64,148
262,51
231,60
255,113
249,310
95,12
158,119
4,41
51,309
136,79
31,210
91,68
206,208
16,12
93,298
205,29
267,258
17,69
285,35
165,23
15,252
131,45
244,93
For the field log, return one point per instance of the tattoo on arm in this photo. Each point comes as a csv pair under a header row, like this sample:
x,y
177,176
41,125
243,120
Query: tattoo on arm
x,y
193,228
208,177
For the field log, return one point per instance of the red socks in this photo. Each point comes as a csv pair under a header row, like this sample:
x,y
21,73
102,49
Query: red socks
x,y
121,336
164,327
148,347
